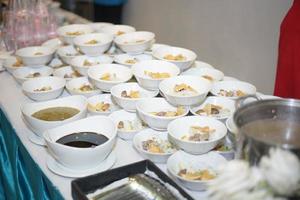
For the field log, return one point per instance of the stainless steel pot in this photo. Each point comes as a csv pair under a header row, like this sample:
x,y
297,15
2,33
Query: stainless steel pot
x,y
264,124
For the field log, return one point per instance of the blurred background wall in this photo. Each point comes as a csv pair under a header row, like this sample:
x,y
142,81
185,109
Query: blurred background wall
x,y
239,37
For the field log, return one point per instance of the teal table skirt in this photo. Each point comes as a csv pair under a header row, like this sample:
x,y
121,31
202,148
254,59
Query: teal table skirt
x,y
20,177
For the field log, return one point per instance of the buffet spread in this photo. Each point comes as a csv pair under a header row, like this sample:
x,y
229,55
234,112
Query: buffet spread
x,y
102,96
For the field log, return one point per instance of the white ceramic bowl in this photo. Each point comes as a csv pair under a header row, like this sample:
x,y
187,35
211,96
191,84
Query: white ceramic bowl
x,y
180,127
122,115
200,64
98,26
201,85
135,42
146,106
35,56
67,53
82,158
117,29
181,160
39,126
26,73
153,66
82,63
148,134
129,60
65,32
190,56
73,87
210,74
129,104
245,87
102,98
54,43
225,103
122,73
68,73
103,40
56,85
12,63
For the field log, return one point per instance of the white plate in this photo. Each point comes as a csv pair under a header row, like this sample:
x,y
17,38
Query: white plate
x,y
61,170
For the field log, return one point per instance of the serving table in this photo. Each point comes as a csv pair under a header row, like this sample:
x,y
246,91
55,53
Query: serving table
x,y
23,169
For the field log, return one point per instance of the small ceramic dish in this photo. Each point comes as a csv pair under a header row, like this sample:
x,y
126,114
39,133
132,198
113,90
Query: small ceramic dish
x,y
102,104
135,42
81,86
128,124
68,73
82,63
129,60
157,113
69,32
181,57
185,168
26,73
36,55
151,72
127,95
67,53
106,76
233,89
196,134
217,107
153,145
93,44
44,88
185,90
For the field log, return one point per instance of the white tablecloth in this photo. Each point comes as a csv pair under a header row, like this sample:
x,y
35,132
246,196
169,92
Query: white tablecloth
x,y
11,99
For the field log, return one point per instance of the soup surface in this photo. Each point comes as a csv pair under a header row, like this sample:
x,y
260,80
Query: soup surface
x,y
55,113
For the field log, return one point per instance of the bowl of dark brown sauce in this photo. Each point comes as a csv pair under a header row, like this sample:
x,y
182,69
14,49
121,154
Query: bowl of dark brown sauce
x,y
264,124
82,144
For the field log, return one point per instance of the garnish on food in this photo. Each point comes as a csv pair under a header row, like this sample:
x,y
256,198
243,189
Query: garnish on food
x,y
33,75
130,125
75,33
212,110
131,61
108,77
100,107
38,53
184,89
178,57
231,93
157,145
208,77
85,88
132,94
199,175
92,42
18,63
179,111
88,63
198,133
157,75
43,89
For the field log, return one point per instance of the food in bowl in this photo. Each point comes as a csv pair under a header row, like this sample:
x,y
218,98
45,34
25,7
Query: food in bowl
x,y
198,133
43,89
56,113
33,75
131,61
75,33
208,77
197,175
131,94
109,77
157,75
120,33
38,54
179,111
85,88
100,107
213,110
130,125
91,42
134,41
223,148
184,89
158,146
178,57
231,93
87,63
74,74
18,63
83,139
